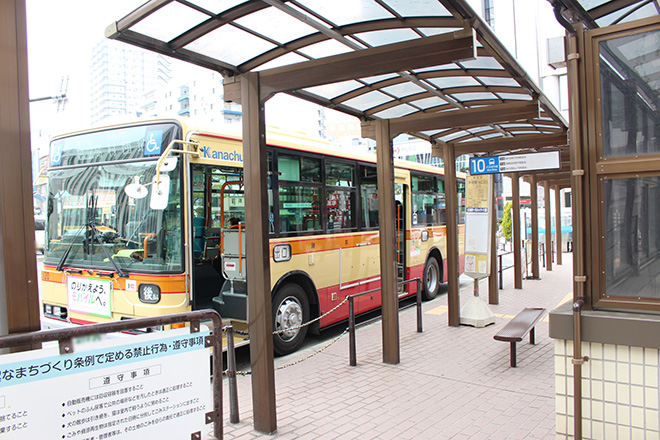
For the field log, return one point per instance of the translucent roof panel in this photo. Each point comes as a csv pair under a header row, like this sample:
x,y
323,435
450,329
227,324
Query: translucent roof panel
x,y
474,96
420,58
603,13
379,78
453,81
495,81
284,60
367,101
429,102
186,18
418,8
396,112
342,12
331,91
218,6
232,53
430,31
276,25
482,63
325,49
404,89
515,96
380,38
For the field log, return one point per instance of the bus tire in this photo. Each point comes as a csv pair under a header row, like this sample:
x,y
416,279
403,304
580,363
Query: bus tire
x,y
290,310
431,279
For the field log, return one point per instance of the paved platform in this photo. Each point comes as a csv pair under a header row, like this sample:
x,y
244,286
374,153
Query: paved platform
x,y
451,383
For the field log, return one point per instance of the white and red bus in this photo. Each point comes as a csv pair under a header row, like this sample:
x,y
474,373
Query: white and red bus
x,y
134,230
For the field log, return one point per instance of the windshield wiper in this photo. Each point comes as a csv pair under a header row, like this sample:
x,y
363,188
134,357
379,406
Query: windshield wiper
x,y
97,236
66,253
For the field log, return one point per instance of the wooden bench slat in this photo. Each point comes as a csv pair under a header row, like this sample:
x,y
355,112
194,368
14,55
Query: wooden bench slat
x,y
516,329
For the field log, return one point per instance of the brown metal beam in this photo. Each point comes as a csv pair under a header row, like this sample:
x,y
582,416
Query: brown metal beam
x,y
512,143
19,295
417,53
469,117
517,260
548,226
551,177
533,190
260,312
558,223
493,278
451,194
388,260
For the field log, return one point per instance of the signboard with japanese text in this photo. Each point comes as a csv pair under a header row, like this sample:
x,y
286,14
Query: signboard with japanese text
x,y
547,160
148,386
478,211
90,296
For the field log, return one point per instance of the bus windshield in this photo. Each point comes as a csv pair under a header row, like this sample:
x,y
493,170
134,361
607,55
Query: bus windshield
x,y
92,219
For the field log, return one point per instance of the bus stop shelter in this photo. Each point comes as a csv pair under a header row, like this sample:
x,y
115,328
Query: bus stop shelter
x,y
433,69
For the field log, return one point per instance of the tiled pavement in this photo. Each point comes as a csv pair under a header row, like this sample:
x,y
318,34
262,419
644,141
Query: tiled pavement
x,y
452,382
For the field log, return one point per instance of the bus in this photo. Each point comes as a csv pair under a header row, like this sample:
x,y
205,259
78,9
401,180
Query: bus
x,y
147,219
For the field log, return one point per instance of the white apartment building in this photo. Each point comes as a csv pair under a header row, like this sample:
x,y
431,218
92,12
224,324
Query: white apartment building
x,y
120,75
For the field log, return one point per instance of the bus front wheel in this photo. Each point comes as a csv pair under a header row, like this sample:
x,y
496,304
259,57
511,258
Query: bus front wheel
x,y
290,311
431,280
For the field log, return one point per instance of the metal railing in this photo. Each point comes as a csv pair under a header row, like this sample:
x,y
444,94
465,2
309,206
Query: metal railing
x,y
231,375
502,269
66,336
352,350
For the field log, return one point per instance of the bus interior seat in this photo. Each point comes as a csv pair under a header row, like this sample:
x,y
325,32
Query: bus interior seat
x,y
211,243
198,240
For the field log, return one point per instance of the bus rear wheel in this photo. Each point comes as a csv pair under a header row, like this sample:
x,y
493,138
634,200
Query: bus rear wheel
x,y
290,311
431,279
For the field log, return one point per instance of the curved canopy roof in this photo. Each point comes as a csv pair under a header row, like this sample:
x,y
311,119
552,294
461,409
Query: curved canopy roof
x,y
603,13
433,68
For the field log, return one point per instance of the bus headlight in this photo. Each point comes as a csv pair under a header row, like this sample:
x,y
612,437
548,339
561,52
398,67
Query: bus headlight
x,y
149,293
58,312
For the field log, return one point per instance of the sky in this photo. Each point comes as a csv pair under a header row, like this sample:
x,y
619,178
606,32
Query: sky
x,y
61,35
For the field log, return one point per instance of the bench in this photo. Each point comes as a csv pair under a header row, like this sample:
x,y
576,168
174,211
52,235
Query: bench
x,y
516,329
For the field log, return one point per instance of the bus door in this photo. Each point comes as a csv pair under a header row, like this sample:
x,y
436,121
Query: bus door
x,y
208,182
400,196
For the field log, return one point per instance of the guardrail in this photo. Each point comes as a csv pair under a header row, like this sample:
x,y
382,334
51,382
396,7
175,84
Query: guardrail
x,y
65,339
351,315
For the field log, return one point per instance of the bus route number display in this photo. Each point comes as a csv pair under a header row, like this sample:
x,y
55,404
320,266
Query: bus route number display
x,y
148,386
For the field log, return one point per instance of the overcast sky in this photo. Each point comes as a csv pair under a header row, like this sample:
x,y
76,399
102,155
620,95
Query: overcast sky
x,y
61,35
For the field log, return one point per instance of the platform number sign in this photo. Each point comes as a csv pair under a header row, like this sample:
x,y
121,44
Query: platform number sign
x,y
484,165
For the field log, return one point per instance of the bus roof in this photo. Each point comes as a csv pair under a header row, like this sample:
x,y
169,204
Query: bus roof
x,y
275,137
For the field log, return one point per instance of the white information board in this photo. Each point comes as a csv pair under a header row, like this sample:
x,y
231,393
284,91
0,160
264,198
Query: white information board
x,y
148,386
478,212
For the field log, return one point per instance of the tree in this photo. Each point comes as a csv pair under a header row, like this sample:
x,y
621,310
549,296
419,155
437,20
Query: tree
x,y
506,221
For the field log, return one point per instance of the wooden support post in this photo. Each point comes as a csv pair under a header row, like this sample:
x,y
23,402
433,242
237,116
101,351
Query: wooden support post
x,y
19,294
493,279
517,258
548,225
257,250
558,237
451,194
388,269
535,226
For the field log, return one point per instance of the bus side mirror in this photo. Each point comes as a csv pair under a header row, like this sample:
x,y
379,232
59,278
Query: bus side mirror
x,y
160,193
136,190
